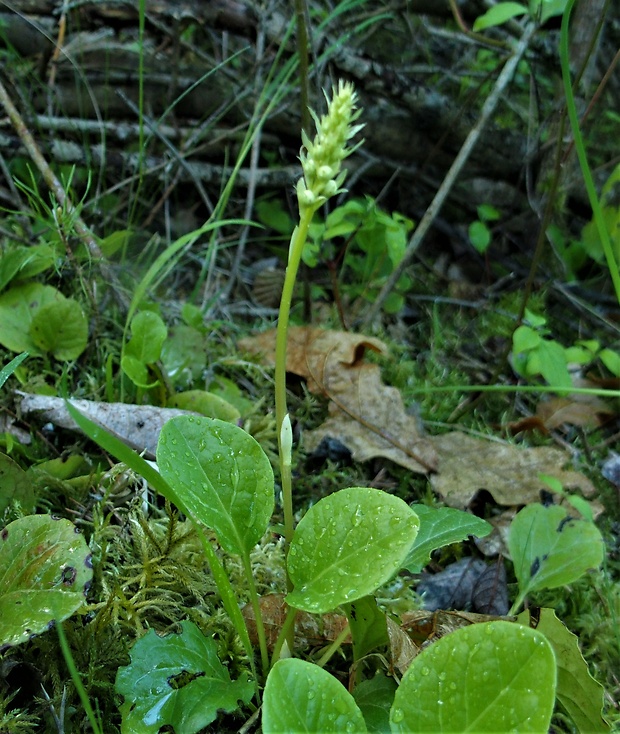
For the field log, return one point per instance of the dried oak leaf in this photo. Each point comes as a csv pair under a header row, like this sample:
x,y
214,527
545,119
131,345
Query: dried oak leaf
x,y
509,473
369,418
365,415
402,648
316,354
574,411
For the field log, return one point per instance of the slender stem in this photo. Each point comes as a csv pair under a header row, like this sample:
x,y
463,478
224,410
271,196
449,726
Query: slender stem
x,y
581,154
286,632
77,681
518,602
260,627
297,243
334,647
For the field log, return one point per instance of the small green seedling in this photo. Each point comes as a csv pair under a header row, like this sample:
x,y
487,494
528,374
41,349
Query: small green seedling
x,y
479,232
143,350
534,353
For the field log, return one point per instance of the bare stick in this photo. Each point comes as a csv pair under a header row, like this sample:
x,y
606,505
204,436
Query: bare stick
x,y
435,206
59,193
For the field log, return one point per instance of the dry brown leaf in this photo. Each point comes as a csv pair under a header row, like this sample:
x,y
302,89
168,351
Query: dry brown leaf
x,y
509,473
370,419
316,354
574,411
310,630
427,627
402,647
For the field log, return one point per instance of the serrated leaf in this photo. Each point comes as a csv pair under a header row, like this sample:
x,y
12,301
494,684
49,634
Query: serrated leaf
x,y
578,692
45,570
492,677
221,475
301,697
61,329
440,526
177,680
549,548
346,546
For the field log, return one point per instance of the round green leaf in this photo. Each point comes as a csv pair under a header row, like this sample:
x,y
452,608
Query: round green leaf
x,y
148,333
221,475
492,677
479,236
301,697
346,546
17,309
375,696
549,548
525,339
61,329
206,403
579,693
45,570
177,680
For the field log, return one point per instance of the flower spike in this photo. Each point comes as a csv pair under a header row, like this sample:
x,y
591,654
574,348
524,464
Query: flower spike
x,y
321,158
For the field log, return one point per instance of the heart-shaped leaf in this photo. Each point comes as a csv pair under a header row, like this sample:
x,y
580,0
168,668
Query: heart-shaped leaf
x,y
301,697
221,475
441,526
346,546
492,677
45,570
549,548
177,680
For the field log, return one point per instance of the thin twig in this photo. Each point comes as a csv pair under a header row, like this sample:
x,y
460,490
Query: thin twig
x,y
60,194
450,179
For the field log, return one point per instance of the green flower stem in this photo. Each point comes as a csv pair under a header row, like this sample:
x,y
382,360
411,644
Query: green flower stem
x,y
297,243
287,633
260,627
